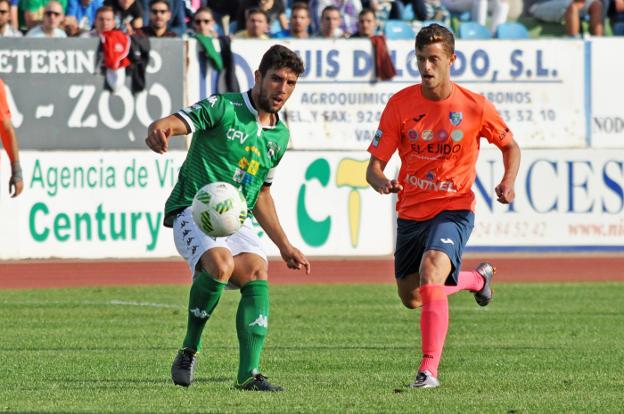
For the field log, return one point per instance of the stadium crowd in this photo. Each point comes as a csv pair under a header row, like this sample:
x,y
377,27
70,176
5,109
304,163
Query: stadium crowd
x,y
262,19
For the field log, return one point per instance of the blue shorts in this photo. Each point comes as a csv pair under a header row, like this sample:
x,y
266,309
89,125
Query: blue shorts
x,y
447,232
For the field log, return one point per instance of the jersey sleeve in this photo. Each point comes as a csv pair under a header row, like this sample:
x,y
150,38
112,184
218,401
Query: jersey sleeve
x,y
204,114
493,128
388,134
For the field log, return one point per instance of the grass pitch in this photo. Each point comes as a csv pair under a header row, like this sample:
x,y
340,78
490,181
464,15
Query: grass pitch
x,y
337,349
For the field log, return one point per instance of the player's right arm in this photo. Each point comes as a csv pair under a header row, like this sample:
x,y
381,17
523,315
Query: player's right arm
x,y
378,180
159,132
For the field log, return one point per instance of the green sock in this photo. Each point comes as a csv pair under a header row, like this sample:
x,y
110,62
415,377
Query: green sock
x,y
252,320
203,299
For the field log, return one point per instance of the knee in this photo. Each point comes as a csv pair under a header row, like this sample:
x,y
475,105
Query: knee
x,y
411,301
219,269
258,273
595,8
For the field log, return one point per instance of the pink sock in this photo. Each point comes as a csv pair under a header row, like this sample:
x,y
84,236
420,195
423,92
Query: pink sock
x,y
433,326
471,280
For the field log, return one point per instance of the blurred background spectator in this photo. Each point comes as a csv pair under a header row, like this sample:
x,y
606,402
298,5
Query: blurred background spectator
x,y
571,11
128,14
385,9
203,23
616,17
348,10
224,12
274,9
479,10
256,25
104,22
331,22
299,25
6,30
177,10
157,26
32,12
367,24
80,15
430,10
53,16
14,16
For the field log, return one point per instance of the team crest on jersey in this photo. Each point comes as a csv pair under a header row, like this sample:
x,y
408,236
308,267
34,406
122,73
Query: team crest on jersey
x,y
456,118
377,138
412,135
272,149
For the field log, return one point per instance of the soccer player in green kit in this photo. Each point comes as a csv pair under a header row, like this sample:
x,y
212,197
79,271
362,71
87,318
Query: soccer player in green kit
x,y
238,138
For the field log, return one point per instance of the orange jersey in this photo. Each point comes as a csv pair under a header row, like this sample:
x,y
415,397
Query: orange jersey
x,y
4,106
438,143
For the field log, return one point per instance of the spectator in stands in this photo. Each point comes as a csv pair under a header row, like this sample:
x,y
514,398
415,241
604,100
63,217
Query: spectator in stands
x,y
347,9
9,141
256,25
32,11
14,19
274,9
330,24
385,9
616,17
571,11
177,21
431,10
159,17
6,30
104,22
299,27
53,15
128,14
479,10
367,24
203,22
224,12
80,15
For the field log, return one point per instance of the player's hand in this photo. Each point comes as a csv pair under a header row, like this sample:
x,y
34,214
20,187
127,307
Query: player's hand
x,y
505,193
295,259
389,186
16,182
16,185
158,140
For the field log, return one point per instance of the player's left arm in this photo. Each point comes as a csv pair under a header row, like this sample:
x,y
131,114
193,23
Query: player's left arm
x,y
511,160
9,141
266,215
496,131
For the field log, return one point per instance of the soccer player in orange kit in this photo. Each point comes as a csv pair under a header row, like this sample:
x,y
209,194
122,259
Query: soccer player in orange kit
x,y
436,126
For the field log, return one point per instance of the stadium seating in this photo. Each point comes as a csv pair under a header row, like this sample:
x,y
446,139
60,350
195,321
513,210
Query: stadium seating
x,y
398,29
512,30
473,30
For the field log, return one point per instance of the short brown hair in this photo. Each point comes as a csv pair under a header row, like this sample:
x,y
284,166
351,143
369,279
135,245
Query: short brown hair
x,y
300,6
435,33
278,57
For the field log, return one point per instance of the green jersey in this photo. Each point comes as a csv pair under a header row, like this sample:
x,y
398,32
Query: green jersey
x,y
229,144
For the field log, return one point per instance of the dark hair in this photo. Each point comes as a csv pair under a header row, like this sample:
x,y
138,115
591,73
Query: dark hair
x,y
329,8
256,10
300,6
435,33
152,2
104,9
278,57
366,11
203,9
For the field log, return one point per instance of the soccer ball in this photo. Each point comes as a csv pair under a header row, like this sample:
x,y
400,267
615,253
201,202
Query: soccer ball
x,y
219,209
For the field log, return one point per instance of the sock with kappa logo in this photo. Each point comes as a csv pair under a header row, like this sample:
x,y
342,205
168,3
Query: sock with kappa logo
x,y
252,323
203,299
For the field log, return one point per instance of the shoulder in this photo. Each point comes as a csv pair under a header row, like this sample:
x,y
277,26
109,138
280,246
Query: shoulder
x,y
470,96
408,94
